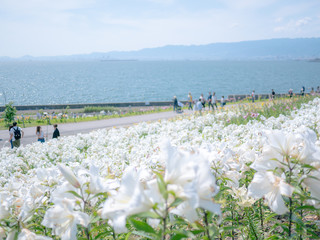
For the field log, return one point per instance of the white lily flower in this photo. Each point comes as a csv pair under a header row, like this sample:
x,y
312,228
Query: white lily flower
x,y
199,192
64,220
313,184
25,234
5,204
241,194
129,200
266,184
179,167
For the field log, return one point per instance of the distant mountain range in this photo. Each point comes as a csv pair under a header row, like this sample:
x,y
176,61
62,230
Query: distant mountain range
x,y
273,49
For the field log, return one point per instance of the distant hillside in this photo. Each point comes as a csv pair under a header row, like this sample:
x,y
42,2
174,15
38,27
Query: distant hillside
x,y
273,49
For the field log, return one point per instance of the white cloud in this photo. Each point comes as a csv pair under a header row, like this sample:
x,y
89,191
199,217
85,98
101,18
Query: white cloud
x,y
279,29
248,4
293,25
165,2
35,5
234,25
303,21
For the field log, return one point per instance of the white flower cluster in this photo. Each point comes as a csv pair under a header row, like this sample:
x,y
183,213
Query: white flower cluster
x,y
63,175
286,156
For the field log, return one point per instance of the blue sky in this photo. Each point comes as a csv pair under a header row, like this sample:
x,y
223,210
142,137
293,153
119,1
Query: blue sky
x,y
65,27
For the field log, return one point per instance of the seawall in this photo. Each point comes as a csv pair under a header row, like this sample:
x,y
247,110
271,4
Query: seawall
x,y
82,105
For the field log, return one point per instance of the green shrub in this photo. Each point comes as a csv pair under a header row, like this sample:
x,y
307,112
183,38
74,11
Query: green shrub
x,y
89,109
9,113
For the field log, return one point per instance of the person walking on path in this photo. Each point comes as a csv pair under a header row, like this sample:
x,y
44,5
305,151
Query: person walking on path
x,y
253,96
197,106
190,101
175,103
16,134
303,89
214,100
56,132
40,134
203,101
312,91
9,136
273,94
210,101
222,102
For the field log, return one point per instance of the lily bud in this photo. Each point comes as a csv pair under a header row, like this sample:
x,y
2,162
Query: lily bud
x,y
69,175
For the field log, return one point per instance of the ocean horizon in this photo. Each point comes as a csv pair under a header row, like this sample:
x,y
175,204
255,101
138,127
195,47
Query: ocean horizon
x,y
33,83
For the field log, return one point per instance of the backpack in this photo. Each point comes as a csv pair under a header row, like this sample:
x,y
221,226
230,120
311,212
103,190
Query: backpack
x,y
17,133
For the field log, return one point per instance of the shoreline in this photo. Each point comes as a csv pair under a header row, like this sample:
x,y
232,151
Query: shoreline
x,y
74,106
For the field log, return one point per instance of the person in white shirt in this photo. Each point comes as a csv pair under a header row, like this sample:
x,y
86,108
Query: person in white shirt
x,y
16,134
214,99
199,106
253,96
222,101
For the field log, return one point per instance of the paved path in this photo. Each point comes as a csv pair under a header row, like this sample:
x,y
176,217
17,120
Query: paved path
x,y
85,127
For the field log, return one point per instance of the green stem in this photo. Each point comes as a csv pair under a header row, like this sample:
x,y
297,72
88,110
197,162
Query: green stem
x,y
113,234
232,232
165,222
86,230
290,199
206,223
251,224
290,216
301,215
261,215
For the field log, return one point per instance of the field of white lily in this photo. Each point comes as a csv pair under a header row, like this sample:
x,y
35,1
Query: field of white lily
x,y
194,177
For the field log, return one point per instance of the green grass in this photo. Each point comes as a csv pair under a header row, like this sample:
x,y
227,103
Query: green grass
x,y
89,109
29,122
259,111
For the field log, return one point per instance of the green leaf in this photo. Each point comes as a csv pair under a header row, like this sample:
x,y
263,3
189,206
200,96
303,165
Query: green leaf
x,y
103,234
196,232
229,228
298,220
142,226
143,234
148,214
307,207
309,166
267,219
75,194
127,236
315,235
162,185
176,202
100,194
205,238
94,219
178,236
285,228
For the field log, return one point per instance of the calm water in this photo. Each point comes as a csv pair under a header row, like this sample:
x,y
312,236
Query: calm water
x,y
28,83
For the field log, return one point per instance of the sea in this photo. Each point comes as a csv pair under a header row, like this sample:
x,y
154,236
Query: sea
x,y
34,82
